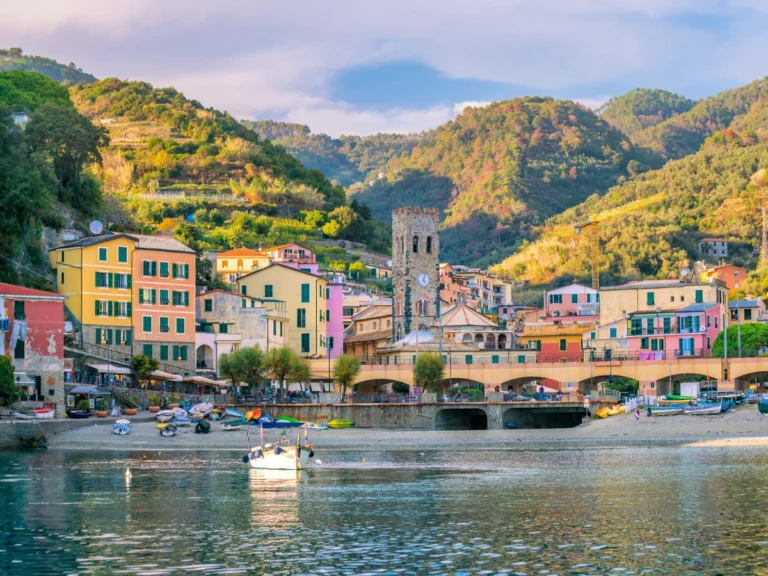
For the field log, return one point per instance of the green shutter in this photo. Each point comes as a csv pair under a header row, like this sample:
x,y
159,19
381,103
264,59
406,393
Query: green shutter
x,y
164,297
305,292
244,303
109,309
563,344
183,353
274,327
147,323
98,308
141,296
175,269
180,326
699,296
98,336
468,358
128,310
110,279
175,298
495,359
281,328
147,350
109,337
268,291
175,352
649,299
186,276
243,289
574,298
96,280
163,352
128,337
327,315
305,343
186,298
130,281
154,296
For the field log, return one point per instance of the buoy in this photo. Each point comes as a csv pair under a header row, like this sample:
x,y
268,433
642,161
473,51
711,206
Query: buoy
x,y
128,473
144,457
421,453
363,459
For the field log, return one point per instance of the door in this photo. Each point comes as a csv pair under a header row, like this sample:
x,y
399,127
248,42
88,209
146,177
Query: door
x,y
686,347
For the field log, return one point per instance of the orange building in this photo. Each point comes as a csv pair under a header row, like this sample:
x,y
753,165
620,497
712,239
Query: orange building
x,y
556,342
733,276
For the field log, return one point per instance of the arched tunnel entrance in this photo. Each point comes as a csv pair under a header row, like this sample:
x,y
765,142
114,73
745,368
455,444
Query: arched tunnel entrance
x,y
543,417
461,419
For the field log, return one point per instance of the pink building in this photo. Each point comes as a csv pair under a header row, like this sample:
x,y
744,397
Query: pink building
x,y
689,331
334,315
572,300
294,256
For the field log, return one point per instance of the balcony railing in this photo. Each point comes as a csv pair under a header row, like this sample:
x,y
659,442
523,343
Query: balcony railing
x,y
693,353
671,331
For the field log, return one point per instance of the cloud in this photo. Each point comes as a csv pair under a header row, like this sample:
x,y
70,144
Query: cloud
x,y
257,59
459,107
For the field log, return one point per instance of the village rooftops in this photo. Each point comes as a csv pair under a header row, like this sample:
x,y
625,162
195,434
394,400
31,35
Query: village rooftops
x,y
12,291
143,242
697,308
373,336
740,304
246,252
657,284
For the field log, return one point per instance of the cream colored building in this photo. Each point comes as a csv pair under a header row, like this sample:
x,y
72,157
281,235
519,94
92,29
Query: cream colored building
x,y
238,262
371,329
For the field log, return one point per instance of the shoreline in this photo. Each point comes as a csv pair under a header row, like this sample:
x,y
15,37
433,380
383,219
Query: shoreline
x,y
742,427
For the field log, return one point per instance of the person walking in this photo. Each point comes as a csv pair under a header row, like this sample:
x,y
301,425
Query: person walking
x,y
649,412
637,415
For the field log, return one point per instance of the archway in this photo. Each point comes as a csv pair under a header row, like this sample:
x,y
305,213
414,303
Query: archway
x,y
759,379
467,338
461,419
553,417
502,341
518,388
478,338
462,390
204,358
490,341
671,384
378,390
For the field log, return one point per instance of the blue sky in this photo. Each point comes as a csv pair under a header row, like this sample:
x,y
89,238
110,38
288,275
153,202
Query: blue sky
x,y
344,66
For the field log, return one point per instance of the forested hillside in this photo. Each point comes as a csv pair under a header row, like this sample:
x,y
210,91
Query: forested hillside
x,y
641,108
498,171
743,109
717,191
347,159
15,59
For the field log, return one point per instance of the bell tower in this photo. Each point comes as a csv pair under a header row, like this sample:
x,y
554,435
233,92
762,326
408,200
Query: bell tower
x,y
415,269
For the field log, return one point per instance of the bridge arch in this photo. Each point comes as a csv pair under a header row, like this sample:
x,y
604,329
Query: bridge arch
x,y
742,381
462,418
517,385
375,386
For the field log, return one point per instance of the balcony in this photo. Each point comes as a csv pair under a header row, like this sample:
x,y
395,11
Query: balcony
x,y
693,353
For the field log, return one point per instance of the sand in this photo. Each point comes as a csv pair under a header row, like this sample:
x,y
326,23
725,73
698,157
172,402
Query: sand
x,y
743,426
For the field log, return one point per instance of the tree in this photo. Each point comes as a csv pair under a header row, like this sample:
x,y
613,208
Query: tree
x,y
332,229
754,339
429,370
280,362
207,276
358,270
9,392
71,141
299,372
244,365
623,384
229,368
345,370
144,366
400,388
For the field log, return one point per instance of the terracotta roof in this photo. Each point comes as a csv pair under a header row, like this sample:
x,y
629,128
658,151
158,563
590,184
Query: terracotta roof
x,y
463,315
372,311
227,292
13,290
713,240
281,265
242,252
385,334
283,246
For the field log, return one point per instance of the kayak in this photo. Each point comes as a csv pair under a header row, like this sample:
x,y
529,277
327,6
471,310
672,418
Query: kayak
x,y
341,423
235,413
679,397
253,415
286,419
233,425
602,413
313,426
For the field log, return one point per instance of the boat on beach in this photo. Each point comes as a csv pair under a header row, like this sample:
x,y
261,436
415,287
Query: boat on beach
x,y
762,405
233,425
165,415
200,410
77,415
341,423
667,410
704,409
234,413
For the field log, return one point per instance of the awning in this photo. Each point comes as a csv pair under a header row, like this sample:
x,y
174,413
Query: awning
x,y
201,380
23,379
160,375
89,390
109,369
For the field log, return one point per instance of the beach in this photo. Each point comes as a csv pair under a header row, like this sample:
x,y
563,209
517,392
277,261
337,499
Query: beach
x,y
743,426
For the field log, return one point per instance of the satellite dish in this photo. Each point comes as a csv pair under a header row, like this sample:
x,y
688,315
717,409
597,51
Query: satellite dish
x,y
389,263
684,272
96,227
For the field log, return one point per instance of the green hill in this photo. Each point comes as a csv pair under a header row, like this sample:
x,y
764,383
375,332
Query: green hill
x,y
15,59
347,159
718,191
640,108
742,108
496,172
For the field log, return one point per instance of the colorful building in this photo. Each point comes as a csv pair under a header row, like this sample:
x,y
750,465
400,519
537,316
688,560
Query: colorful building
x,y
747,311
371,328
235,263
131,294
487,290
294,256
306,302
572,300
556,342
334,315
227,321
733,276
32,336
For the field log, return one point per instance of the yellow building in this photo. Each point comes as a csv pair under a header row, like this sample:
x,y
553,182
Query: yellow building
x,y
371,328
233,264
96,275
618,302
306,302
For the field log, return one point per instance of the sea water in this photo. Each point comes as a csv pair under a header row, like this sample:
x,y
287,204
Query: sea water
x,y
609,511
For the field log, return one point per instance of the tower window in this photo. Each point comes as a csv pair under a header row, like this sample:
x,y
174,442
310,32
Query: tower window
x,y
415,244
429,244
402,245
422,308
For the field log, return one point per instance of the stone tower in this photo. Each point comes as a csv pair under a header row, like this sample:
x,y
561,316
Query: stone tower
x,y
415,269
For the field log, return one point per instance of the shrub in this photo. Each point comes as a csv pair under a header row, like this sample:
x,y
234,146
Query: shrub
x,y
84,406
154,400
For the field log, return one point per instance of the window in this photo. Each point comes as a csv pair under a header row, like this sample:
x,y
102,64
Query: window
x,y
415,244
164,324
163,352
122,281
149,268
146,324
699,296
268,292
536,345
18,351
592,335
495,359
429,244
305,343
327,293
320,291
62,256
18,310
657,344
709,343
736,274
747,314
62,278
180,325
102,308
180,298
181,271
147,296
103,254
671,298
555,298
164,297
649,299
164,269
644,343
122,254
102,280
468,359
521,359
147,350
301,318
281,328
123,309
636,327
327,315
274,327
709,320
182,354
243,303
223,328
574,298
305,293
563,344
612,333
422,308
224,264
329,342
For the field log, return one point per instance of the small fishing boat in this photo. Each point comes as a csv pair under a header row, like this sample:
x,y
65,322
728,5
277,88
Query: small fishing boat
x,y
121,427
203,409
44,413
704,409
667,410
348,423
674,402
181,421
77,415
218,414
762,405
165,415
168,430
267,422
313,426
233,425
279,457
235,413
19,415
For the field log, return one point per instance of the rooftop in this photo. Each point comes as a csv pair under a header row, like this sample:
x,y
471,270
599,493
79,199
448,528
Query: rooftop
x,y
463,315
743,304
647,284
374,336
242,252
13,290
143,241
700,307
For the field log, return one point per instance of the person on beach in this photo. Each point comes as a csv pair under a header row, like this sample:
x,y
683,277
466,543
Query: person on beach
x,y
649,412
637,415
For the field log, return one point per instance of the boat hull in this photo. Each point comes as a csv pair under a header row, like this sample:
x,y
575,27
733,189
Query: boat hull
x,y
285,460
704,410
165,416
78,415
762,406
670,412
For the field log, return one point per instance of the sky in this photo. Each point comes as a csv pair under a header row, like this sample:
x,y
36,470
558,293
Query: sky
x,y
368,66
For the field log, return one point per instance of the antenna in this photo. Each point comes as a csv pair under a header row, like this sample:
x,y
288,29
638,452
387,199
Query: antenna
x,y
96,227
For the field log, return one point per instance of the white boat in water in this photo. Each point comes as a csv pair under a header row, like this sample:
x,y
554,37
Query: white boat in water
x,y
704,409
280,457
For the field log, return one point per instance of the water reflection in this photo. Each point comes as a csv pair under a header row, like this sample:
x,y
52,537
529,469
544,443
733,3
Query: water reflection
x,y
661,510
